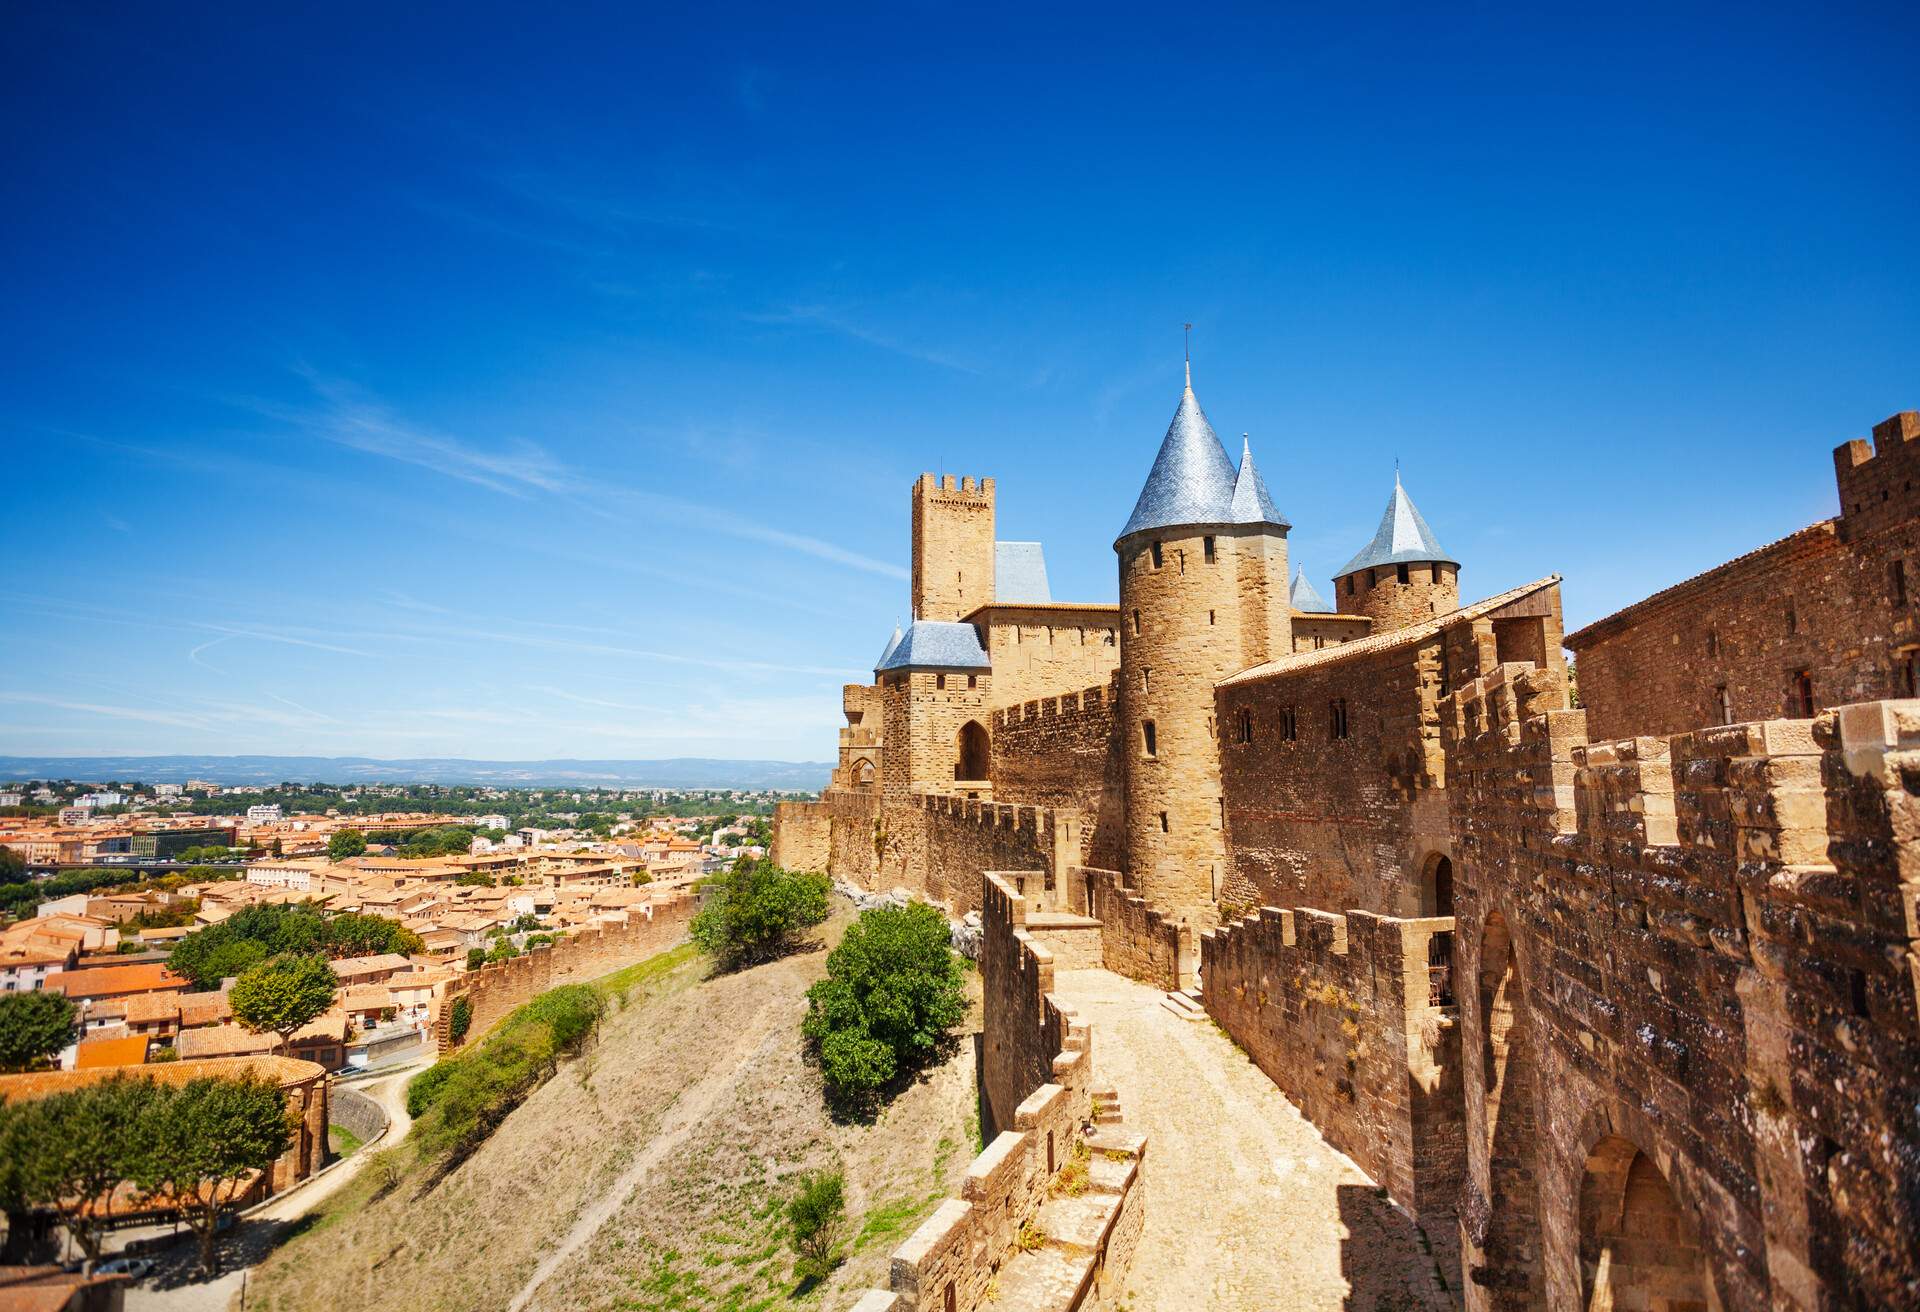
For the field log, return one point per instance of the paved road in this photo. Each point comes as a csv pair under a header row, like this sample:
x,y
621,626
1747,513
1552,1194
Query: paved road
x,y
175,1286
1247,1206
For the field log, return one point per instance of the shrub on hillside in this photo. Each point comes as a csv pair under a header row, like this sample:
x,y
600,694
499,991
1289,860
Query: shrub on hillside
x,y
893,990
460,1019
815,1219
423,1088
755,911
461,1107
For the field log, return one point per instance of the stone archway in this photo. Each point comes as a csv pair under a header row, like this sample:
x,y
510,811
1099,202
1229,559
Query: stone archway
x,y
1639,1252
863,773
1512,1250
971,752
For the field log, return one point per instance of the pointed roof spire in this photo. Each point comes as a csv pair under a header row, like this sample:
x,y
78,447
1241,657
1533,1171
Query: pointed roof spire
x,y
1192,479
1251,503
1187,334
1304,596
1402,538
893,645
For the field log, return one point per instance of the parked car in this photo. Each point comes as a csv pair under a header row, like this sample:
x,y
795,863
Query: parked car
x,y
134,1268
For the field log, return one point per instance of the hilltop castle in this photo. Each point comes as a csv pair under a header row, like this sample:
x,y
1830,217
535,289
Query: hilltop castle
x,y
1558,976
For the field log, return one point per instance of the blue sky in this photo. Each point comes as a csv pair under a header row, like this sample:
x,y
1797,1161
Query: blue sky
x,y
473,381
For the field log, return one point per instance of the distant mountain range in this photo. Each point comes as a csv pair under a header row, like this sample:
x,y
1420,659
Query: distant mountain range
x,y
233,771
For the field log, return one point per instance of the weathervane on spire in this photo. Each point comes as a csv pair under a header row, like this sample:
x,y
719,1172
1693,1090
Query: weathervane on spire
x,y
1187,333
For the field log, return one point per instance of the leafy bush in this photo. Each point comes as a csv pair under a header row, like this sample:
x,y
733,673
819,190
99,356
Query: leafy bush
x,y
816,1217
250,936
423,1088
460,1020
346,843
755,911
33,1026
893,990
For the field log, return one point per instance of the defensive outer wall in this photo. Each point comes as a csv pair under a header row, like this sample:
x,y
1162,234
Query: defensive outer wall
x,y
1051,1212
1696,953
499,986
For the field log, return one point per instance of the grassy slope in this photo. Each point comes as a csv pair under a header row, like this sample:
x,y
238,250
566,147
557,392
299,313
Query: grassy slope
x,y
701,1229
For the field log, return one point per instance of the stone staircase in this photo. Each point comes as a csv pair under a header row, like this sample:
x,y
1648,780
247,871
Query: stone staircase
x,y
1186,1004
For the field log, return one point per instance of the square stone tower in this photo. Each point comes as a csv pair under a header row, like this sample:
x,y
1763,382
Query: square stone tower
x,y
952,546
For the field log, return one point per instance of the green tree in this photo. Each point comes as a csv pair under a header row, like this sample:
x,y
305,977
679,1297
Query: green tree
x,y
894,989
33,1026
354,934
459,1019
476,958
213,954
13,866
81,1146
816,1218
755,911
202,1144
346,843
283,994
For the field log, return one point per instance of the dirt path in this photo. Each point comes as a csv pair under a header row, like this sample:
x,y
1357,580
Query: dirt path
x,y
692,1107
1247,1206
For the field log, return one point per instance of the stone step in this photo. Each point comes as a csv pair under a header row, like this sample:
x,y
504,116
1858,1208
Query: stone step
x,y
1183,1006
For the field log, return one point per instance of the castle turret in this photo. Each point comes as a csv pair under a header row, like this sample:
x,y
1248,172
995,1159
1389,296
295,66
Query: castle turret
x,y
952,546
1203,594
1401,577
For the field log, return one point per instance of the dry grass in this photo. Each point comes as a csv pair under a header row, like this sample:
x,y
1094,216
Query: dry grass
x,y
702,1227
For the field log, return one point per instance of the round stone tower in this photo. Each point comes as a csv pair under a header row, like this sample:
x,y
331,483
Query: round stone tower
x,y
1203,594
1401,577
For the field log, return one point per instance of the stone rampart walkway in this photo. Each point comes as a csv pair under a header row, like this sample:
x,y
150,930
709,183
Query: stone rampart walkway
x,y
1248,1209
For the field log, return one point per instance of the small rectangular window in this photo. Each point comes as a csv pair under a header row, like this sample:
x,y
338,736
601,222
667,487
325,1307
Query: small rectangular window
x,y
1136,624
1403,574
973,681
1163,822
1436,572
1208,543
1800,695
1209,617
1910,673
1338,716
1713,642
1723,702
1244,726
1148,740
1290,724
940,681
1158,559
1146,679
1793,619
1898,570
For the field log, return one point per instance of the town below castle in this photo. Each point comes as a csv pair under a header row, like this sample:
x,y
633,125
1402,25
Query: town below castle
x,y
1607,981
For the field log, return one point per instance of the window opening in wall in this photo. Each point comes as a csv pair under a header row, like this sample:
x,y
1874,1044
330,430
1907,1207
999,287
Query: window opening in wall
x,y
1163,822
1800,700
1898,570
1338,707
1402,571
1209,617
1106,635
1857,985
1183,560
1209,728
1049,1152
1793,619
1436,572
1348,580
1723,702
940,682
973,681
1207,545
950,1305
1910,672
1148,740
1713,642
1290,724
1158,559
1244,727
1146,678
1136,624
1319,643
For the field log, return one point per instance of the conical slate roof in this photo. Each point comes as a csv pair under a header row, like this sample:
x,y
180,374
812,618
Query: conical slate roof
x,y
1192,478
1305,597
893,645
1251,504
1403,537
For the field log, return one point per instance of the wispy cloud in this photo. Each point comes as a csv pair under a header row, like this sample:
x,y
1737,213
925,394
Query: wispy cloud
x,y
820,316
170,718
350,419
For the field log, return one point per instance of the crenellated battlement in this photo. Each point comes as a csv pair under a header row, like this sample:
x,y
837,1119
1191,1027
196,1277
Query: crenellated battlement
x,y
1097,699
1876,479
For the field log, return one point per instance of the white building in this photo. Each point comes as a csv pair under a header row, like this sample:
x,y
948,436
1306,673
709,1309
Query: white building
x,y
94,801
167,790
263,815
75,815
490,822
295,874
10,799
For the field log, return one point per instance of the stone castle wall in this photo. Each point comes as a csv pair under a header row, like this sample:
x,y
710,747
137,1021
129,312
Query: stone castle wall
x,y
1687,964
499,986
1062,752
802,836
1136,940
1839,601
1347,1015
1037,1069
1038,650
935,845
